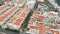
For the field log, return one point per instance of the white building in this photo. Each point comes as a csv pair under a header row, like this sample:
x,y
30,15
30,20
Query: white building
x,y
30,3
41,0
53,3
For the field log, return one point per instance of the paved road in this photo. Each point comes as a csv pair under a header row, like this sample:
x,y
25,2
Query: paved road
x,y
10,32
7,32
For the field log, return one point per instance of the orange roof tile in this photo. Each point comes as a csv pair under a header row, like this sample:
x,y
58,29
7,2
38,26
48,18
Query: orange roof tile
x,y
3,7
54,31
51,14
18,21
40,26
8,13
41,18
12,19
1,19
35,12
23,15
58,21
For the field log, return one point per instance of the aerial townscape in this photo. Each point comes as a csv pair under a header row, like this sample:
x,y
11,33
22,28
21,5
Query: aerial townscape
x,y
29,16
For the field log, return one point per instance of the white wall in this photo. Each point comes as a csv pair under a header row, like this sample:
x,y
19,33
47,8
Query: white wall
x,y
30,3
41,0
